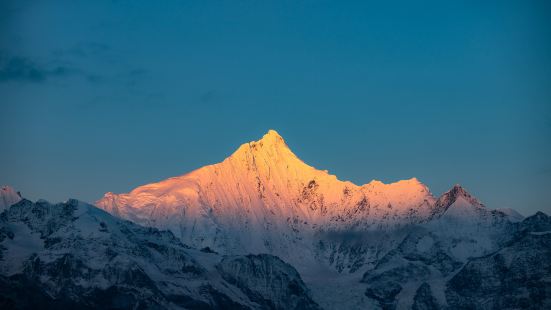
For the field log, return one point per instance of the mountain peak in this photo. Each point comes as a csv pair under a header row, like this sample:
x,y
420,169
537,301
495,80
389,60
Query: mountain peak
x,y
273,133
538,222
457,190
8,196
272,137
457,195
271,145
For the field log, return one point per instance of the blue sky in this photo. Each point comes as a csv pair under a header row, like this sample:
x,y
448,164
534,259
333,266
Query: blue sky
x,y
101,96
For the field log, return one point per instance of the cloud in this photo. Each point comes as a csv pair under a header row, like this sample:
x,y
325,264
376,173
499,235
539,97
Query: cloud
x,y
23,69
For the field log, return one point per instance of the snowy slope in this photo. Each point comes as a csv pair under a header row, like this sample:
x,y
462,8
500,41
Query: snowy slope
x,y
264,199
415,272
8,196
74,255
517,276
265,188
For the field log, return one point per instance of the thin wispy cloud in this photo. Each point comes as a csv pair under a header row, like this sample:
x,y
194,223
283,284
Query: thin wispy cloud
x,y
17,68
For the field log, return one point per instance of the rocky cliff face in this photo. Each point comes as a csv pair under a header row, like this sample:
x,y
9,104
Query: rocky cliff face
x,y
73,255
267,280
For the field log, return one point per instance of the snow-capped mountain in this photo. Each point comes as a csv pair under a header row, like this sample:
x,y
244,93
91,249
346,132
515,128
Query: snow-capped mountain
x,y
517,276
264,187
236,231
75,256
375,245
416,271
264,199
8,196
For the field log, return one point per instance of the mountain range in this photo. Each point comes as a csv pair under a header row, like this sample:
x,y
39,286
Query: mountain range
x,y
264,230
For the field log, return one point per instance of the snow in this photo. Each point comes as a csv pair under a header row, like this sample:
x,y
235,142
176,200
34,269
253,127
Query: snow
x,y
334,290
513,215
263,187
24,244
540,233
264,199
8,196
425,244
87,248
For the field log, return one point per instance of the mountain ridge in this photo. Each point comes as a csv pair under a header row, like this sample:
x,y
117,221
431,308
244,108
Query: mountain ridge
x,y
75,255
265,199
66,245
376,246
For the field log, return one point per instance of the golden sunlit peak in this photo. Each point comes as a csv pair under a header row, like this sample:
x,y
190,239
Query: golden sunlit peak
x,y
272,134
269,141
271,138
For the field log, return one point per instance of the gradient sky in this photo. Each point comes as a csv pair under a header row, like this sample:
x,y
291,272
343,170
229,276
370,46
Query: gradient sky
x,y
100,96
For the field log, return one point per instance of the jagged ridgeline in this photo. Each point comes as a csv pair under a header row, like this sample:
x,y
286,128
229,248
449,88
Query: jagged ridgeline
x,y
264,230
75,256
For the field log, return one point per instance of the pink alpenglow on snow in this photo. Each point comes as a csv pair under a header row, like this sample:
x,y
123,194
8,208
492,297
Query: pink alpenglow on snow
x,y
264,193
